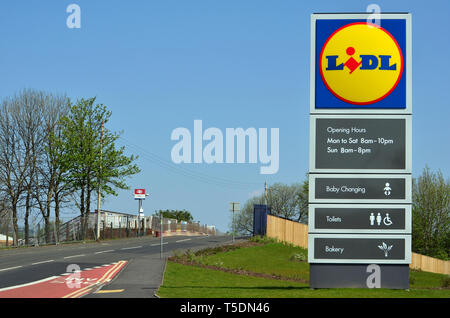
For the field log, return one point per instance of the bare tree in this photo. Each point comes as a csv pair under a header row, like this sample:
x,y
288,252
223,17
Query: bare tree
x,y
14,160
4,218
28,118
287,201
28,160
283,199
243,220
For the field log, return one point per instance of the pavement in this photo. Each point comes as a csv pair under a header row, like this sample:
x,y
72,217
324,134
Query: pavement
x,y
139,277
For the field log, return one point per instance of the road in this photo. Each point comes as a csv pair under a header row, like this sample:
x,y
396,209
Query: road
x,y
139,275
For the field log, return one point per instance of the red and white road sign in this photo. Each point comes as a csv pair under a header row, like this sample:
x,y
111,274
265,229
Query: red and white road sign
x,y
73,285
139,193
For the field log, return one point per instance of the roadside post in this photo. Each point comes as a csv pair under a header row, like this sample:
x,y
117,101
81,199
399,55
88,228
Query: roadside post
x,y
161,234
234,207
140,194
360,147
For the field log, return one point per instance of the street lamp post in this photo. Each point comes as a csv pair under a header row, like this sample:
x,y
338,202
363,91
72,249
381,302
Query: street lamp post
x,y
234,207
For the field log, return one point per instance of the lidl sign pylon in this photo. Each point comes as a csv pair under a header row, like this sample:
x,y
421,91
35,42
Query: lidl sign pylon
x,y
361,65
360,151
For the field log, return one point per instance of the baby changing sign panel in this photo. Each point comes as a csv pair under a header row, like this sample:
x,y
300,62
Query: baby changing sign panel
x,y
360,65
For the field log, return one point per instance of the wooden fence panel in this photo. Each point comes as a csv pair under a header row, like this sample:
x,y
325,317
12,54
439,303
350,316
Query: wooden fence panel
x,y
297,234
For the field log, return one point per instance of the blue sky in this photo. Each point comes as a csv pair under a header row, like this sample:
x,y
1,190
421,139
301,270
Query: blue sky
x,y
159,65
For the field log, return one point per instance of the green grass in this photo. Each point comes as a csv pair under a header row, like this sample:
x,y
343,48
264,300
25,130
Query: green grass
x,y
270,259
281,260
182,281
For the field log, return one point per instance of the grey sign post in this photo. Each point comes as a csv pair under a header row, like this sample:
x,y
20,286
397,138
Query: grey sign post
x,y
360,160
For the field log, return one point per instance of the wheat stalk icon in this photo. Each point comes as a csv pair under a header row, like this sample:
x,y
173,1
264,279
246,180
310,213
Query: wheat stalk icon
x,y
385,248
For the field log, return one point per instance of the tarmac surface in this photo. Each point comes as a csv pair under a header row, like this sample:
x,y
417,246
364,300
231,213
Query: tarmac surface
x,y
139,277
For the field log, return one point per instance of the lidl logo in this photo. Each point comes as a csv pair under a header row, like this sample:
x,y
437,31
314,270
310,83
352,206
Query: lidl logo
x,y
361,63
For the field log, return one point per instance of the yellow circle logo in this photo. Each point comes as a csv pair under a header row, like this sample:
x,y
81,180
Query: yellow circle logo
x,y
361,63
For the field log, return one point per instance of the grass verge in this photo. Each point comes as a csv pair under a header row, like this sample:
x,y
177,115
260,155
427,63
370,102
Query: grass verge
x,y
266,269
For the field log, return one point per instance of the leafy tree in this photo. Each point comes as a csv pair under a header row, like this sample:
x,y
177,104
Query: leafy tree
x,y
50,188
91,159
431,214
179,215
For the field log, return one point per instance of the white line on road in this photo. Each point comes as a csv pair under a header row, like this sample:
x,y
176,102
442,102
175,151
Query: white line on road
x,y
104,251
28,284
159,244
74,256
183,240
7,269
129,248
50,260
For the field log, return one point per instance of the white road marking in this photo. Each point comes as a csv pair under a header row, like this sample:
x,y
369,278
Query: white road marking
x,y
74,256
183,240
159,244
50,260
104,251
28,284
7,269
129,248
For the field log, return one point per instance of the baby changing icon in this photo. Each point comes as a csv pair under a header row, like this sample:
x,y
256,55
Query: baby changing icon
x,y
387,189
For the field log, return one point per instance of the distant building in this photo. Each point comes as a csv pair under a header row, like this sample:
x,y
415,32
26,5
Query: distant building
x,y
211,229
114,219
3,239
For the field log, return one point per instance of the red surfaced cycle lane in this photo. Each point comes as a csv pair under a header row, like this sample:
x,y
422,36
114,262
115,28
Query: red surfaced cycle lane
x,y
71,285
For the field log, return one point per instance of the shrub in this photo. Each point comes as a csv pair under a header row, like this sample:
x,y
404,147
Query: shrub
x,y
262,239
298,257
446,282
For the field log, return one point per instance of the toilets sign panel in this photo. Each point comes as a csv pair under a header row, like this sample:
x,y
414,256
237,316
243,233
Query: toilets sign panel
x,y
359,188
359,218
361,66
360,143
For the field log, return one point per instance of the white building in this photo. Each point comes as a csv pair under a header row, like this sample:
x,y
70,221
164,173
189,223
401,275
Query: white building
x,y
3,239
